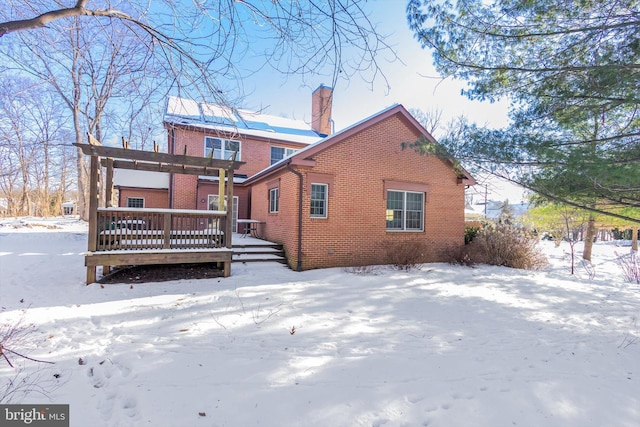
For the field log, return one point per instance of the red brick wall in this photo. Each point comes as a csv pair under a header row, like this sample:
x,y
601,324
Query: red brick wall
x,y
281,227
355,230
153,198
206,188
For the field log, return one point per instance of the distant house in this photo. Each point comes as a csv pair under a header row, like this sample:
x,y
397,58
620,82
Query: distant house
x,y
331,199
69,208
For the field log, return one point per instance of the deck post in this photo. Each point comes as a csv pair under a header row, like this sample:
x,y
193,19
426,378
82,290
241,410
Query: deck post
x,y
93,215
221,192
228,229
167,231
108,198
108,194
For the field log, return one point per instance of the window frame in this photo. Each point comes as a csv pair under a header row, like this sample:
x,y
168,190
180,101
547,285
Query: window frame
x,y
274,202
225,152
325,200
135,198
404,211
288,152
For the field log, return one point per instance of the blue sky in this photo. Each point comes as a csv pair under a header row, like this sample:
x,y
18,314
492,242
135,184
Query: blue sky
x,y
413,83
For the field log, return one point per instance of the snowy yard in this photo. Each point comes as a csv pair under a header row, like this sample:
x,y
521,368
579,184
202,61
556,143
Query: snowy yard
x,y
442,346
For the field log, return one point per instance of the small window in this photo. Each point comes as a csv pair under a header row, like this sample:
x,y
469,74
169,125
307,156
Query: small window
x,y
318,207
222,149
135,202
274,200
405,211
279,153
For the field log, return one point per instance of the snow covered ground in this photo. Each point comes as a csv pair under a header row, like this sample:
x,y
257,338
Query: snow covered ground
x,y
442,346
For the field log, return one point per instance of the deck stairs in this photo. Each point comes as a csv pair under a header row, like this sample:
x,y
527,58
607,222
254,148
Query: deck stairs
x,y
261,251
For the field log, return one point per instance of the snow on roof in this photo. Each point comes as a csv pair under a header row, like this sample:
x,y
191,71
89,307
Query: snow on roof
x,y
236,179
241,122
140,179
183,108
217,114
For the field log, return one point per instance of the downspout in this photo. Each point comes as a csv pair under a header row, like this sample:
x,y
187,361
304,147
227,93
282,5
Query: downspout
x,y
172,142
300,188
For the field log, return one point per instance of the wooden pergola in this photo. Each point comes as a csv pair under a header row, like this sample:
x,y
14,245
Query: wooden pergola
x,y
138,236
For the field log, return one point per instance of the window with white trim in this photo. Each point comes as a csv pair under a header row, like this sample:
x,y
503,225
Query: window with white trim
x,y
135,202
319,193
279,153
405,210
222,149
274,200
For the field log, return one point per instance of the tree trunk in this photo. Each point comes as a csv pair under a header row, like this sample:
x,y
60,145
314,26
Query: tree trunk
x,y
83,206
588,238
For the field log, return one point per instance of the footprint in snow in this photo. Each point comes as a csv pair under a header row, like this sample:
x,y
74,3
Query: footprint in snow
x,y
129,407
431,408
107,376
414,398
380,422
466,396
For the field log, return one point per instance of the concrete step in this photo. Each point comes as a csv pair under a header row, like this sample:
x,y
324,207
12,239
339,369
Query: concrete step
x,y
258,253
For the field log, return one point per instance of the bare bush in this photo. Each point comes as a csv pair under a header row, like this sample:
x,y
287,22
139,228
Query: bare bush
x,y
630,266
14,336
458,255
406,255
508,246
23,384
589,268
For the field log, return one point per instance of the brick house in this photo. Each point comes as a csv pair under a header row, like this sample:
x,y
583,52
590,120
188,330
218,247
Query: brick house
x,y
331,199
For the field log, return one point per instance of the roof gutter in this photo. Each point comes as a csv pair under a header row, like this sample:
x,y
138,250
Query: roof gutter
x,y
300,188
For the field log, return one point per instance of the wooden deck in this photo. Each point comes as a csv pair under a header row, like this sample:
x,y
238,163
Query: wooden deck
x,y
129,236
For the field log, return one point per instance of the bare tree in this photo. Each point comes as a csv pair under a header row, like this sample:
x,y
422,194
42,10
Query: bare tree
x,y
18,138
88,69
31,145
204,48
201,42
431,120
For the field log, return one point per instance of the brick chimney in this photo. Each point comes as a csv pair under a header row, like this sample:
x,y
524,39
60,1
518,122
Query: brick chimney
x,y
321,100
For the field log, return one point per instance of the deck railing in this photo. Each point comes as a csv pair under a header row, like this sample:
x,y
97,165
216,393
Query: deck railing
x,y
143,228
